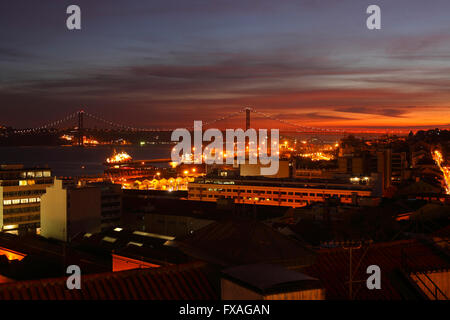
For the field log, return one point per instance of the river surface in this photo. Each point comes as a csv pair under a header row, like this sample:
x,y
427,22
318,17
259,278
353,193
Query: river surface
x,y
75,161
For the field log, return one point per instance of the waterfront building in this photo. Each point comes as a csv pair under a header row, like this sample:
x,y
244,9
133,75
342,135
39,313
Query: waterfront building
x,y
288,192
21,189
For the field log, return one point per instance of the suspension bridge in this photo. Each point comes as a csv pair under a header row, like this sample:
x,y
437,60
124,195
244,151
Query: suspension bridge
x,y
77,118
77,122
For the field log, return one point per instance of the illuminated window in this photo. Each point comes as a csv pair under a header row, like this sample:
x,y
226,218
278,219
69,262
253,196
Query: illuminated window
x,y
131,243
109,239
23,200
15,201
6,202
46,173
22,182
153,235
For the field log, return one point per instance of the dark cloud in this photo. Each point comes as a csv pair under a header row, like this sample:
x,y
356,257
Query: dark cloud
x,y
14,54
169,62
388,112
309,116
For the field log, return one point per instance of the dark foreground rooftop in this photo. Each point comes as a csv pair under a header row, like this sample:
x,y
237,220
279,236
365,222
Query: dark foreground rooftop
x,y
269,279
184,282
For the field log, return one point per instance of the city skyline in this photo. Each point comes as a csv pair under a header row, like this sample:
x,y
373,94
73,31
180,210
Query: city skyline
x,y
165,64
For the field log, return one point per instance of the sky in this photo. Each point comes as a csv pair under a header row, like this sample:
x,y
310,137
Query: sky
x,y
164,64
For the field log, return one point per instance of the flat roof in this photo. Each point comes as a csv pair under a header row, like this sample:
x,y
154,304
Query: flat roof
x,y
285,183
20,167
268,278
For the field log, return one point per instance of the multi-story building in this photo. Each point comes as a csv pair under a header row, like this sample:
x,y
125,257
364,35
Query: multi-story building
x,y
111,204
20,196
391,166
68,209
289,193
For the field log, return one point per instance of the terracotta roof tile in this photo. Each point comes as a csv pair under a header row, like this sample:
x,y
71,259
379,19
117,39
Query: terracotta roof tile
x,y
188,282
332,267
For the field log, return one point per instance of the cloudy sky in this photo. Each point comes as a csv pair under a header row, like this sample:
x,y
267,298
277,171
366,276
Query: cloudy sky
x,y
166,63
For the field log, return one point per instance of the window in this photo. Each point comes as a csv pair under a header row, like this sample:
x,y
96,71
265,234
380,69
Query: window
x,y
6,202
132,243
109,239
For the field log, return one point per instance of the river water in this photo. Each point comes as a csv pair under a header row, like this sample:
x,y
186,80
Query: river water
x,y
75,161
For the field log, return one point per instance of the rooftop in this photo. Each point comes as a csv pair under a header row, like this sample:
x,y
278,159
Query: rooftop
x,y
284,183
267,278
395,259
184,282
240,241
19,167
149,247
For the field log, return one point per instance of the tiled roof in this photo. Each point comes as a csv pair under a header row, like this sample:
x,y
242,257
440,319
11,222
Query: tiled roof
x,y
332,268
244,241
183,282
443,233
5,279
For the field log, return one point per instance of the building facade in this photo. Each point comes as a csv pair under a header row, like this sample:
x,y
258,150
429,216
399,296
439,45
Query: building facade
x,y
277,193
111,204
68,211
20,197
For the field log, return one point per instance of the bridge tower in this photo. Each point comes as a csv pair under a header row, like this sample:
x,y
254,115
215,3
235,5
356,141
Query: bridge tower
x,y
247,118
80,127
